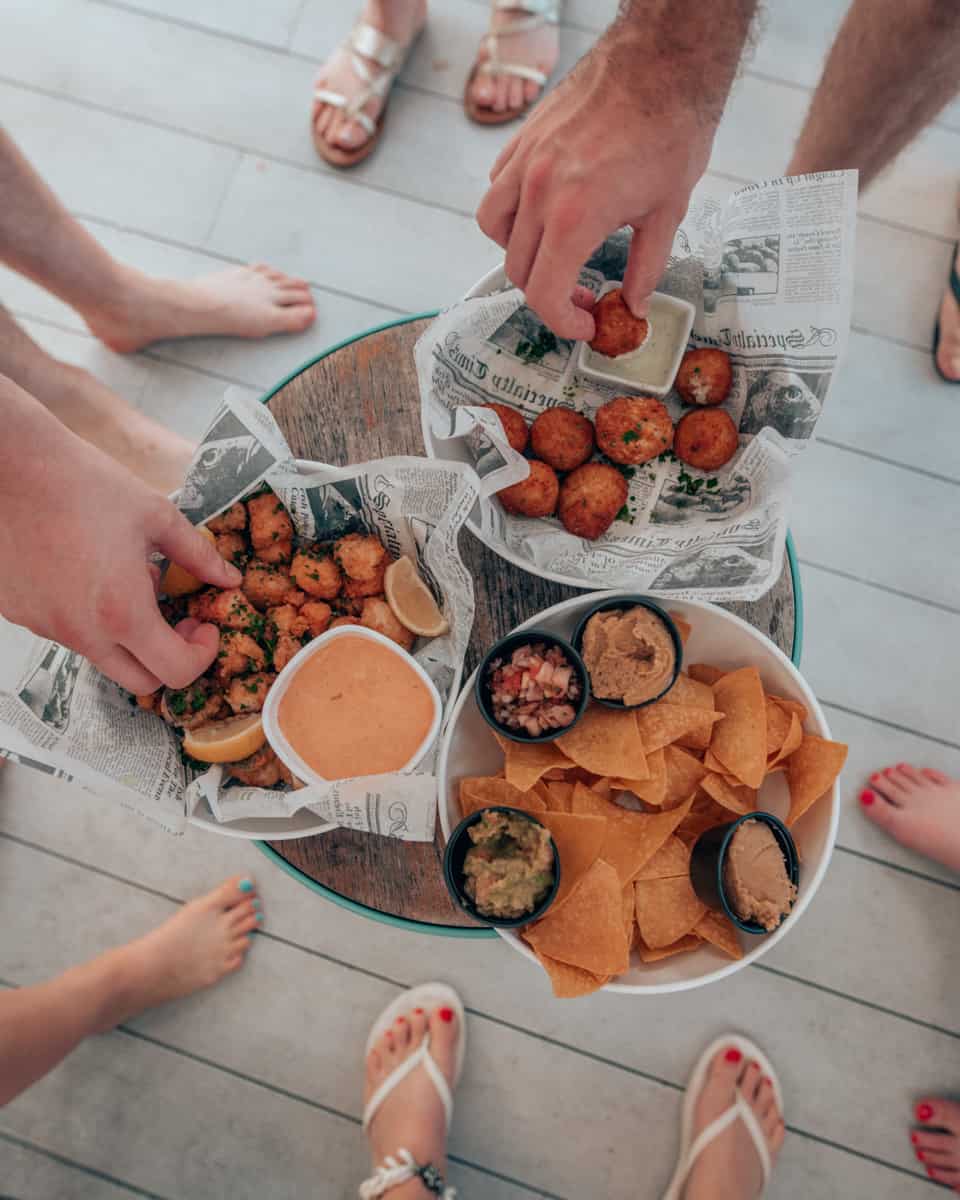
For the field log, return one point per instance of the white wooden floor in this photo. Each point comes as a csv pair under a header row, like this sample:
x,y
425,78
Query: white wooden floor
x,y
178,131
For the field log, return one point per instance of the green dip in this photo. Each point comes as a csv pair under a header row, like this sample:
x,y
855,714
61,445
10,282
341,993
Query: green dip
x,y
509,868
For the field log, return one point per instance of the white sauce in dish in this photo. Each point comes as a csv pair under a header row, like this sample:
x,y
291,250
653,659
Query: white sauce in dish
x,y
650,364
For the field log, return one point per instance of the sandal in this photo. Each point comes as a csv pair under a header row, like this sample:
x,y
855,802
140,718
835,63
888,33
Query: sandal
x,y
691,1148
954,284
539,13
402,1167
364,45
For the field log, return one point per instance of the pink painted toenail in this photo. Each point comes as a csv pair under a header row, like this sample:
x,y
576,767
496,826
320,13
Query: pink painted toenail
x,y
733,1055
867,798
924,1112
446,1014
766,1082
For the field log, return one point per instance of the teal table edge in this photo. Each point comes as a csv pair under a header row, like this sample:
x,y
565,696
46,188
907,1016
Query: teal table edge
x,y
363,910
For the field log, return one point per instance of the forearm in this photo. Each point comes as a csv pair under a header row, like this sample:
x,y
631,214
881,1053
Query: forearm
x,y
29,437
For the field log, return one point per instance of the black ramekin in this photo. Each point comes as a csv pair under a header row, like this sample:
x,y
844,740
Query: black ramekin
x,y
622,603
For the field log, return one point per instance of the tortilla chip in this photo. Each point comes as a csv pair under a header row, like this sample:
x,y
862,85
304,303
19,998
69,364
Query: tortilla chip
x,y
602,787
559,796
793,706
586,800
527,762
811,771
666,909
691,693
705,814
684,772
652,790
778,725
704,673
627,909
578,840
635,838
740,740
684,628
661,724
719,931
483,791
738,799
569,982
670,861
606,742
587,932
682,946
790,743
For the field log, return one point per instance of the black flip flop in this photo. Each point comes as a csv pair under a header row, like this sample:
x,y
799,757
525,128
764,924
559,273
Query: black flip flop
x,y
955,288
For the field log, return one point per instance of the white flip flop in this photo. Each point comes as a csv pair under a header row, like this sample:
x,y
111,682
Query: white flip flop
x,y
427,996
691,1148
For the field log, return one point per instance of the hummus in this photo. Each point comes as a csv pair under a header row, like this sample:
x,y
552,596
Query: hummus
x,y
509,868
755,877
629,654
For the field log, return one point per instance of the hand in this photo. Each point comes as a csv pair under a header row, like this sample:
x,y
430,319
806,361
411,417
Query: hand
x,y
76,533
617,143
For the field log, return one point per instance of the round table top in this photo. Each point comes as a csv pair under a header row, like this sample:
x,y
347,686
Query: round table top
x,y
361,401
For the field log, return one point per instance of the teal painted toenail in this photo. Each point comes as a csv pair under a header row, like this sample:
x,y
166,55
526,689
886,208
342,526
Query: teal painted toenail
x,y
256,903
259,916
246,885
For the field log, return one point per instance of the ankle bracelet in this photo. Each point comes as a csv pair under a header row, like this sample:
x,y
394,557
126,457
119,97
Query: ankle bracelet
x,y
402,1169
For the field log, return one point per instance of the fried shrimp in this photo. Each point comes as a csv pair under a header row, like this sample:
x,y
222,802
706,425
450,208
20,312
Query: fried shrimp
x,y
339,622
287,646
590,499
229,609
314,572
232,520
238,654
633,429
247,694
269,521
378,616
262,769
191,707
359,589
360,555
285,618
233,547
278,552
265,585
317,616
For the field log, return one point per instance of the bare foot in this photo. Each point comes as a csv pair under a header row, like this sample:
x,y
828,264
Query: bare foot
x,y
948,352
412,1116
207,939
246,302
400,20
729,1168
537,48
937,1142
920,808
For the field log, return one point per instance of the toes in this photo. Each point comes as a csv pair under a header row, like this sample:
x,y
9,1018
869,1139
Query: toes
x,y
292,293
749,1082
724,1070
349,135
233,892
234,963
879,809
926,1141
483,91
401,1034
298,317
443,1024
935,776
776,1138
939,1113
374,1064
501,90
323,120
531,91
515,95
887,784
239,945
418,1026
249,923
909,773
941,1175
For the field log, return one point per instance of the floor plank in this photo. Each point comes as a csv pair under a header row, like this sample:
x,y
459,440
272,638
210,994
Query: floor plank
x,y
271,24
31,1172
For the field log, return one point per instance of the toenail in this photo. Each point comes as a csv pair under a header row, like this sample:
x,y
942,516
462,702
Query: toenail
x,y
400,1020
418,1012
733,1055
766,1082
446,1014
245,885
924,1112
257,905
867,798
876,777
258,916
914,1138
888,772
919,1154
901,766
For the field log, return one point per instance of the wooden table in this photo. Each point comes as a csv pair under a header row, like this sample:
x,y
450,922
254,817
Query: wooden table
x,y
361,401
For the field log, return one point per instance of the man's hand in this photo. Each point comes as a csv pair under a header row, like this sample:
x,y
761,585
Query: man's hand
x,y
622,141
76,534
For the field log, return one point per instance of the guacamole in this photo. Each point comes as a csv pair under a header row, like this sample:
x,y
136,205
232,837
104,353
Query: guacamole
x,y
509,868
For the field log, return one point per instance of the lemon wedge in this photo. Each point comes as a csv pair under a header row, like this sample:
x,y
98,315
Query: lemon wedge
x,y
411,601
177,580
225,741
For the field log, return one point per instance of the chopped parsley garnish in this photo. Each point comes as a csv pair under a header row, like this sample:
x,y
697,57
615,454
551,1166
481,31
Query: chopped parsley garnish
x,y
623,514
177,703
252,688
711,483
630,436
197,701
534,351
688,485
251,665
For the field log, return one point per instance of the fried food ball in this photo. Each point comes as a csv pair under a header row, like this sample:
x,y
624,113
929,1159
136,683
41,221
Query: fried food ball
x,y
314,572
192,706
238,654
287,646
360,555
618,330
265,585
233,547
514,426
232,520
229,609
150,702
285,618
378,615
706,438
590,499
269,522
247,695
633,429
317,615
562,438
338,622
359,589
535,496
279,552
704,377
262,769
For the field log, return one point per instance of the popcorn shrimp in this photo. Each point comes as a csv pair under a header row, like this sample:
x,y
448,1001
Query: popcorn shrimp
x,y
269,522
232,520
246,695
360,555
378,615
315,573
239,654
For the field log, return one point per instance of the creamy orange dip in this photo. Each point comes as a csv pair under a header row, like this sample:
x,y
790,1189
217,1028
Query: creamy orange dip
x,y
355,708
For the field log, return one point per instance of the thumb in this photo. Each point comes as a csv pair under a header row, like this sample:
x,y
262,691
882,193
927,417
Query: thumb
x,y
649,251
195,552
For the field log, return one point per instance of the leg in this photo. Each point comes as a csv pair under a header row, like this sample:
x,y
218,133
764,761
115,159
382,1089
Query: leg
x,y
937,1142
948,352
40,1025
892,68
509,96
920,808
123,307
92,411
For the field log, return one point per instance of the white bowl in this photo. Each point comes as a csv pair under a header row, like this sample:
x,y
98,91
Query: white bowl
x,y
725,641
619,371
271,726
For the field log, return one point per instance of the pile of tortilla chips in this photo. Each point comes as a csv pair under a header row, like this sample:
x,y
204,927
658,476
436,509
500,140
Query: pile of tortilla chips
x,y
695,759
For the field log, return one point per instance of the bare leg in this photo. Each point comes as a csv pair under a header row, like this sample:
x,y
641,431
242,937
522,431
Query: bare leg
x,y
92,411
892,68
948,352
123,307
919,807
207,939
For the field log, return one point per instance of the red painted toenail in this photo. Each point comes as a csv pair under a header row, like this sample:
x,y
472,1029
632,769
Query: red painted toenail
x,y
901,766
924,1112
733,1055
766,1082
418,1012
446,1014
930,1171
914,1138
400,1020
919,1154
867,798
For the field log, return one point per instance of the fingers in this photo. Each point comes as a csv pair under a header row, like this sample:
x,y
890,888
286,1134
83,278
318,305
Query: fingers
x,y
176,658
504,157
525,235
554,277
649,251
182,544
120,666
